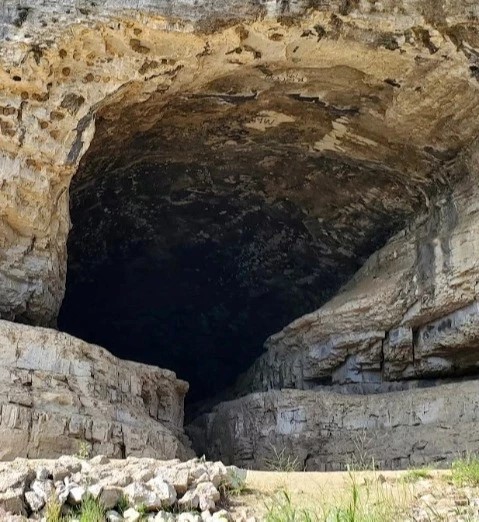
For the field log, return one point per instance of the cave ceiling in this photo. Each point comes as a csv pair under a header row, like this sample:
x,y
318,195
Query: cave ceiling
x,y
218,213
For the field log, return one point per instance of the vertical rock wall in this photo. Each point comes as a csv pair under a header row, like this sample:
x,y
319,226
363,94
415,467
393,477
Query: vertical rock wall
x,y
410,312
59,393
320,430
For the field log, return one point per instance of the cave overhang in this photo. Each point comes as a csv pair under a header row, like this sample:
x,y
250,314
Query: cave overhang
x,y
341,122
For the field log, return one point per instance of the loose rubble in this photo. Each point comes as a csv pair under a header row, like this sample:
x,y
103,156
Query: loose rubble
x,y
128,490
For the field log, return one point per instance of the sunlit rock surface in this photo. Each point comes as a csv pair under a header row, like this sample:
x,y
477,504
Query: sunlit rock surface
x,y
60,394
281,146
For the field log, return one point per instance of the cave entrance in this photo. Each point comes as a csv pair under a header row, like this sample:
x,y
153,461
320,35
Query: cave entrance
x,y
207,222
193,279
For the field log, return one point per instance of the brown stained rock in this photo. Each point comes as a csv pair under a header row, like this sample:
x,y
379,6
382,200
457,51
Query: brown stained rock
x,y
389,130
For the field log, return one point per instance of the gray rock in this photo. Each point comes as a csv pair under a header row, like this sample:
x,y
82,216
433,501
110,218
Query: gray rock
x,y
131,515
34,501
43,488
110,496
43,474
12,501
113,516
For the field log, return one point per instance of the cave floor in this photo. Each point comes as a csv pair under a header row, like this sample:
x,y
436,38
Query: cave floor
x,y
424,495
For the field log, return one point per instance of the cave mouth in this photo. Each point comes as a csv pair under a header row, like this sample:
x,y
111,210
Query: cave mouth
x,y
205,223
193,280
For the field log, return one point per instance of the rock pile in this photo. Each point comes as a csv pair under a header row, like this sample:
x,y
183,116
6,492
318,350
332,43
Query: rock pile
x,y
132,489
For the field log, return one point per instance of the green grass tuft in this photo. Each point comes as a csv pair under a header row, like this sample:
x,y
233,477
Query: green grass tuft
x,y
414,475
282,461
90,510
53,510
465,472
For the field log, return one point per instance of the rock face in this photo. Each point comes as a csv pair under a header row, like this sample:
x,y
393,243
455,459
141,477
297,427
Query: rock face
x,y
321,430
61,395
410,312
258,154
351,114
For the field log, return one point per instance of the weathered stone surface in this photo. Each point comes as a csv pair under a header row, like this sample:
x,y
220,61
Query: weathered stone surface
x,y
59,393
351,114
337,128
411,312
321,430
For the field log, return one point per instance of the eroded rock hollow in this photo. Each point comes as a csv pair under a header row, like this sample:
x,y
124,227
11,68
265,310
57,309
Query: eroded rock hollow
x,y
229,170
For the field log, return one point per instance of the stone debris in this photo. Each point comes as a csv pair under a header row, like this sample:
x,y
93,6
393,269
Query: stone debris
x,y
188,491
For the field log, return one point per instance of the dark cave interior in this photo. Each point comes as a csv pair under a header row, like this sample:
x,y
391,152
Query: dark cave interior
x,y
196,236
194,282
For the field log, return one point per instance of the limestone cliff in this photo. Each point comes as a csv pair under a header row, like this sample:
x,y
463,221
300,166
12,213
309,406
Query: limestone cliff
x,y
59,394
410,312
284,144
362,106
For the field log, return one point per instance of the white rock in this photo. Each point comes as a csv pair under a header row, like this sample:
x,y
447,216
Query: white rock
x,y
143,475
177,477
164,490
76,495
95,490
198,471
188,517
164,516
189,500
208,495
222,515
13,480
218,473
99,460
34,501
69,462
113,516
131,515
140,494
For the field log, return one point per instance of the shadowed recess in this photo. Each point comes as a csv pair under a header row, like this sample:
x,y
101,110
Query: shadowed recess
x,y
206,223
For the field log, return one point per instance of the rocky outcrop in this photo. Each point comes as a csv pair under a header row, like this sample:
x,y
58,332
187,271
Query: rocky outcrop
x,y
411,312
61,395
321,430
350,112
189,127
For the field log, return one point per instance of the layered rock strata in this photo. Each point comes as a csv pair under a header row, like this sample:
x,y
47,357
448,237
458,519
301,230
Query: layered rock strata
x,y
59,394
364,105
411,312
321,430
